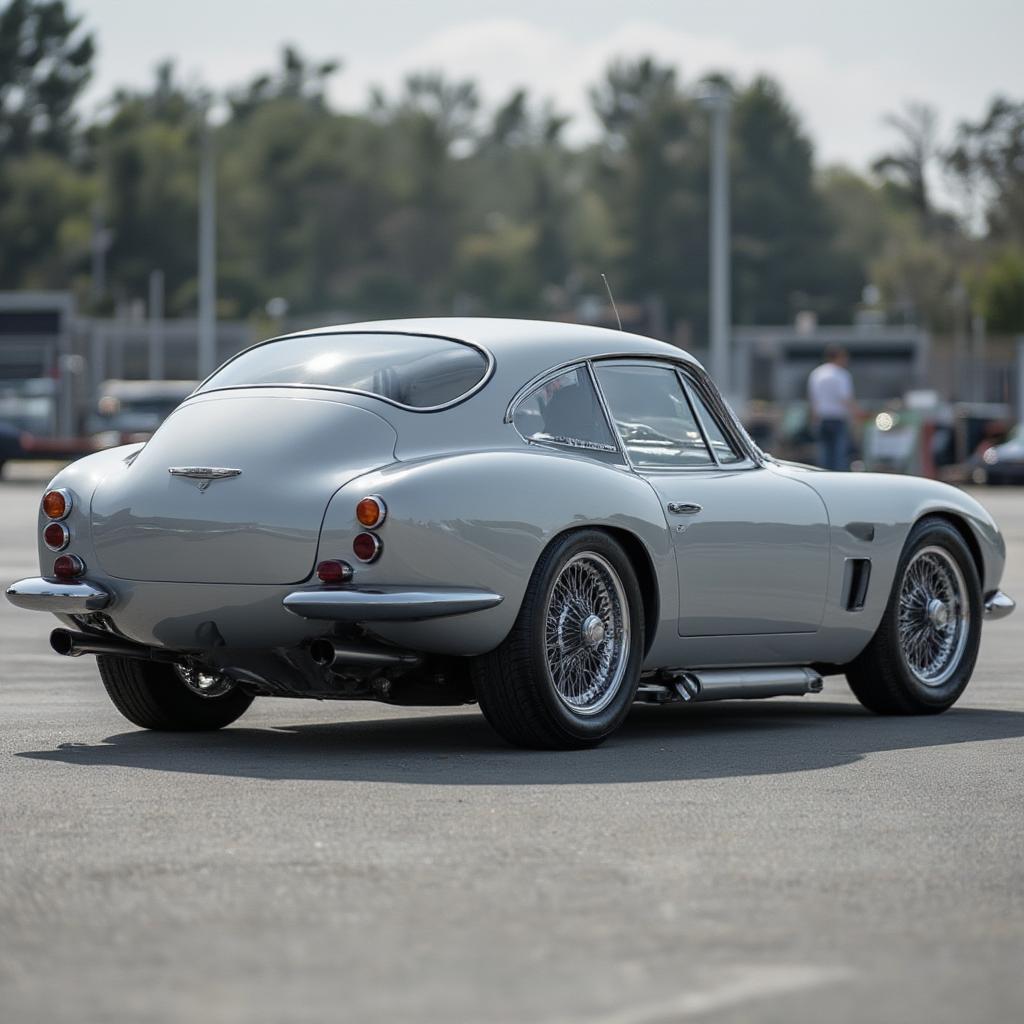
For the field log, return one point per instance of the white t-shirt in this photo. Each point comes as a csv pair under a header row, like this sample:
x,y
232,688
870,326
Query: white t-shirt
x,y
830,389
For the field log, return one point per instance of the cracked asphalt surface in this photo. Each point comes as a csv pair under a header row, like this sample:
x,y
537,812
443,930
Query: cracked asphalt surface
x,y
791,860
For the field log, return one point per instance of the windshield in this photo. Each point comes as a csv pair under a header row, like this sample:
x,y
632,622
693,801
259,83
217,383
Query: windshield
x,y
412,370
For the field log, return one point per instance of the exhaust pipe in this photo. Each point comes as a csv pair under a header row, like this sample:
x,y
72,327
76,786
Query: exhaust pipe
x,y
73,645
745,683
331,654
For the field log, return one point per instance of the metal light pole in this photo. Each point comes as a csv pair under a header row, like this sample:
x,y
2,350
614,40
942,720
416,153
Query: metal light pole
x,y
207,354
717,100
99,243
156,325
1020,379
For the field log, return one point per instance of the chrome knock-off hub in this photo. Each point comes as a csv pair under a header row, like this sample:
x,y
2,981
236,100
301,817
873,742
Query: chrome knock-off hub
x,y
938,612
592,631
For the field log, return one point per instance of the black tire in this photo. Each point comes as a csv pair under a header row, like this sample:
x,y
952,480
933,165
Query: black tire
x,y
514,684
152,695
881,677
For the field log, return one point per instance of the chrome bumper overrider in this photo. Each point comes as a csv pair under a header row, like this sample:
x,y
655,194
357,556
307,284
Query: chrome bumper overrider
x,y
998,605
62,597
388,603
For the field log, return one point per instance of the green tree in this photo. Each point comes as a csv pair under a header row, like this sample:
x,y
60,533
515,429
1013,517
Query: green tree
x,y
907,166
988,157
783,239
45,62
513,253
427,132
650,168
296,79
301,197
44,222
146,154
999,291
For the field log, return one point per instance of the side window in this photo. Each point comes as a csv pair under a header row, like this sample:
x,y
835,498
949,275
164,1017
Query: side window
x,y
653,416
720,444
566,411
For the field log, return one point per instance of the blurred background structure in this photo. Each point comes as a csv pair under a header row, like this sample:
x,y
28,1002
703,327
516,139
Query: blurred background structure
x,y
152,231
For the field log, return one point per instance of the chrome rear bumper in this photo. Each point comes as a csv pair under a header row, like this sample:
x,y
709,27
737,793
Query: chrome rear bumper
x,y
998,605
388,603
62,597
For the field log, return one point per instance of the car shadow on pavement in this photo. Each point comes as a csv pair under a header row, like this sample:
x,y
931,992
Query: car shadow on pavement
x,y
678,742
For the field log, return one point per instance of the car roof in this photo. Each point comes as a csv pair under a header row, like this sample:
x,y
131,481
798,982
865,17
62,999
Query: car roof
x,y
540,343
520,351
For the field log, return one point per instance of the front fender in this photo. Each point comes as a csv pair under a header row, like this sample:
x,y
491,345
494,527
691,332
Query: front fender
x,y
885,508
896,503
482,519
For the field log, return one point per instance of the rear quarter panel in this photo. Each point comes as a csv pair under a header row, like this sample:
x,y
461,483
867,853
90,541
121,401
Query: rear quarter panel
x,y
483,519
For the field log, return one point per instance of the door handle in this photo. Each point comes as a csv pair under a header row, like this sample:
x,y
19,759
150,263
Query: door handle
x,y
684,508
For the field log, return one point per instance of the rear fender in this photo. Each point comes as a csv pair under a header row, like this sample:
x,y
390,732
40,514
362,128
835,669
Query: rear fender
x,y
80,479
482,520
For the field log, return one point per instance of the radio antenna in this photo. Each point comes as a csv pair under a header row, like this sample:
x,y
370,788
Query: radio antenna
x,y
611,299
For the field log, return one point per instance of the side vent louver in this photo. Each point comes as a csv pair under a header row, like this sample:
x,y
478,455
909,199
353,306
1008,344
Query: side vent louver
x,y
855,583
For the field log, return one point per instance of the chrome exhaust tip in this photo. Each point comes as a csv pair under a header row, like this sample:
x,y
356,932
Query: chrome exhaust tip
x,y
70,644
63,642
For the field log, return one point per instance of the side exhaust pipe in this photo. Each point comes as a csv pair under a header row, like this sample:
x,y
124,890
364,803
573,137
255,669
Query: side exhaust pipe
x,y
746,683
73,645
336,655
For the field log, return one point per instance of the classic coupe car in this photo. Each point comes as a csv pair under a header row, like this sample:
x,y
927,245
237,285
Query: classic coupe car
x,y
551,520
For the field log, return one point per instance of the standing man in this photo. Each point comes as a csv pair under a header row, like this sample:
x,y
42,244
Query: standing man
x,y
830,390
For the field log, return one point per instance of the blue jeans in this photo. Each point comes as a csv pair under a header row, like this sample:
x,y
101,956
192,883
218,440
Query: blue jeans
x,y
834,444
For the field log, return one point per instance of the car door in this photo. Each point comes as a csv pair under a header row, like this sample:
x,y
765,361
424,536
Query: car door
x,y
751,544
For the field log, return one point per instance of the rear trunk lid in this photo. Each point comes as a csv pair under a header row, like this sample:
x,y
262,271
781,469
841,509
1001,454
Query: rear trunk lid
x,y
252,475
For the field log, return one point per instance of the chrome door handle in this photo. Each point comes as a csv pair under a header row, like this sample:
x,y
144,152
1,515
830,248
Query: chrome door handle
x,y
684,508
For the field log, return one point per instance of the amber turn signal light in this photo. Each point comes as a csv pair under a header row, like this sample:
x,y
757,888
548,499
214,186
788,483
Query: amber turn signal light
x,y
371,511
56,504
334,571
367,547
68,567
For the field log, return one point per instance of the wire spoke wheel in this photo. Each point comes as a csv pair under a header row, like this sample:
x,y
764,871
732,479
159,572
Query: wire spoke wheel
x,y
587,633
565,676
933,615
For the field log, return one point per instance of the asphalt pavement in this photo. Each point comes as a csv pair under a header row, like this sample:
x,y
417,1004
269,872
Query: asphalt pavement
x,y
791,860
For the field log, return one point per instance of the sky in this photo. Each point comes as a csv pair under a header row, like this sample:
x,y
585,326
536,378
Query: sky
x,y
842,64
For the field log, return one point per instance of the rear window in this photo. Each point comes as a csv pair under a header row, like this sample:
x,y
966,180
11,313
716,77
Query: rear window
x,y
413,370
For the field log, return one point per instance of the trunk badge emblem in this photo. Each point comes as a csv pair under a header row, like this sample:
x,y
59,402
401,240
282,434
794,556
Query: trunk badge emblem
x,y
204,475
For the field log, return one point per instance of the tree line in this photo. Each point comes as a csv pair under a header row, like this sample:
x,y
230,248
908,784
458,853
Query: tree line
x,y
426,202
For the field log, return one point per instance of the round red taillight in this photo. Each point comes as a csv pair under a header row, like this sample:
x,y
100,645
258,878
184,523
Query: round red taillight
x,y
56,504
56,536
371,511
334,571
67,567
367,547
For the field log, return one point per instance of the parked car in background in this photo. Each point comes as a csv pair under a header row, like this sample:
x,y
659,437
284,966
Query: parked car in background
x,y
131,410
10,443
29,406
28,414
550,519
1000,463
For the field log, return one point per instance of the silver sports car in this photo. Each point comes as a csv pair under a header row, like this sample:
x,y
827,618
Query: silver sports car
x,y
552,520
